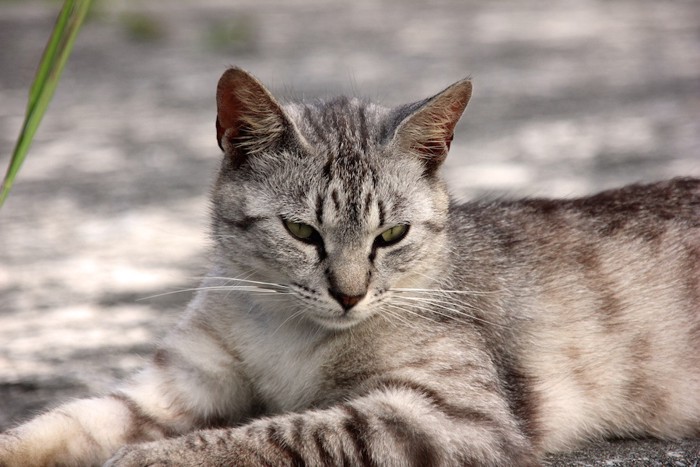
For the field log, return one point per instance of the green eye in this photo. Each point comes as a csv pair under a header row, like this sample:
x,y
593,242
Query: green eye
x,y
303,232
299,230
392,235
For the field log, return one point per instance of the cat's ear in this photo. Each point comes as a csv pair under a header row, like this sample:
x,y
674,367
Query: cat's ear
x,y
249,120
426,128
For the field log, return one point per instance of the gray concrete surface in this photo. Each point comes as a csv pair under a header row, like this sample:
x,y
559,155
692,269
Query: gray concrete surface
x,y
110,209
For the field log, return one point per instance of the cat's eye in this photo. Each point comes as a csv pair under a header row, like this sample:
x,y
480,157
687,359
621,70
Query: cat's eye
x,y
392,235
303,232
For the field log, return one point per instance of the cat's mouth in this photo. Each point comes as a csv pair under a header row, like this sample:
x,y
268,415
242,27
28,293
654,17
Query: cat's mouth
x,y
340,322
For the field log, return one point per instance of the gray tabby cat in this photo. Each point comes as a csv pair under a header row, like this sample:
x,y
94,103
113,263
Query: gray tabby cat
x,y
354,315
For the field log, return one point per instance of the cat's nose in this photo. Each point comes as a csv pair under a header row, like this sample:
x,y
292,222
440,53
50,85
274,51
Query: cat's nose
x,y
346,301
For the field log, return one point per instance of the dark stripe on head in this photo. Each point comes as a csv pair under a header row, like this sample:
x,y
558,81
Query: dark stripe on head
x,y
336,199
382,214
319,131
327,172
364,135
244,223
368,203
319,209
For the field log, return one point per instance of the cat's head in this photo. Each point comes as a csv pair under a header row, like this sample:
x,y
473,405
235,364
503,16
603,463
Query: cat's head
x,y
337,202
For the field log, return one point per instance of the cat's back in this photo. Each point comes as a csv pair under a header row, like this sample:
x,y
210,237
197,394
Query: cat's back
x,y
604,296
633,236
642,211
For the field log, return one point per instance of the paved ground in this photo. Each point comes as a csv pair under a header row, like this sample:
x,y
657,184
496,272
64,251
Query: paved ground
x,y
110,209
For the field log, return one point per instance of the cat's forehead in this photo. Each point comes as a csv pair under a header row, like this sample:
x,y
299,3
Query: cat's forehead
x,y
347,138
341,126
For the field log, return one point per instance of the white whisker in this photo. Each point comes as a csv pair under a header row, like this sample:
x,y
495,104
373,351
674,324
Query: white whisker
x,y
443,291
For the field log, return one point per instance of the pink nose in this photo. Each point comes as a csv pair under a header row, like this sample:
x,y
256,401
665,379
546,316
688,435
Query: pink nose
x,y
346,301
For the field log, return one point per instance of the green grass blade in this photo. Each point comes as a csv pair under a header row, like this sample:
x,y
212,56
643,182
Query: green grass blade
x,y
48,59
53,61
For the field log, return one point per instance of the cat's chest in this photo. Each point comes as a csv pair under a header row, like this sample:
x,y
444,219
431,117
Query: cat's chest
x,y
285,363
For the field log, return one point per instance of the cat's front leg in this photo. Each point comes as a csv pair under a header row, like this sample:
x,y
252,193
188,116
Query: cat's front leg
x,y
180,391
83,432
394,426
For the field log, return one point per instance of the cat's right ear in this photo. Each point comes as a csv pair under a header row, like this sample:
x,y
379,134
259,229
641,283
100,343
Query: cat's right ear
x,y
426,128
249,120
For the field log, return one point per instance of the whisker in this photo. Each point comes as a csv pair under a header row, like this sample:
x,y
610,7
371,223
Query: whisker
x,y
299,312
445,291
432,307
438,301
408,309
232,279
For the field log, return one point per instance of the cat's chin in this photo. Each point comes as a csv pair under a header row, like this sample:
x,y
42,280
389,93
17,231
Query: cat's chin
x,y
338,323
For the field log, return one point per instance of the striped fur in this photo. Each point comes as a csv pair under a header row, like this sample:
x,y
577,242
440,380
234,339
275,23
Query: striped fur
x,y
489,334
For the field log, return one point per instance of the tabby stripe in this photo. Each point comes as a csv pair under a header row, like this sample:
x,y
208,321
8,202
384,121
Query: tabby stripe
x,y
276,440
331,120
323,453
357,426
336,199
196,441
141,421
327,173
298,425
368,203
254,453
418,449
320,133
382,214
451,410
399,251
245,223
364,135
319,209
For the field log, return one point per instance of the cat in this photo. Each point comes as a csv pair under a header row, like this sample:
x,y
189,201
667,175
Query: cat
x,y
355,314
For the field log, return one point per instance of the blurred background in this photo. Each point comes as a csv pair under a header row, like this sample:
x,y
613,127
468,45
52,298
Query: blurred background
x,y
570,97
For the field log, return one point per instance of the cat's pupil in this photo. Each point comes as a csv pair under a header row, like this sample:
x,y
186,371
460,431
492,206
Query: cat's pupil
x,y
302,231
392,235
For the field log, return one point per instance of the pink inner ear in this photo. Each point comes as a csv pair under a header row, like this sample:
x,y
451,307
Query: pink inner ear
x,y
228,114
223,123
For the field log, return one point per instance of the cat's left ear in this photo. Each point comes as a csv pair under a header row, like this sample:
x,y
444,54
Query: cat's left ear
x,y
426,128
249,120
